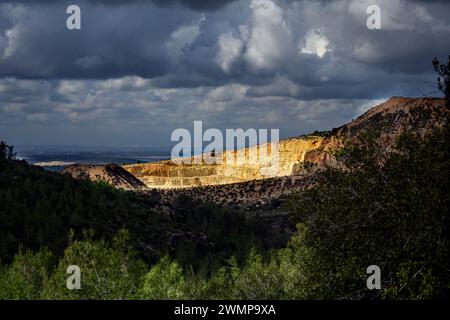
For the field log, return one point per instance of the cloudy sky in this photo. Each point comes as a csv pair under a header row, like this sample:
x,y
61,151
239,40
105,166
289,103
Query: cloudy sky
x,y
137,70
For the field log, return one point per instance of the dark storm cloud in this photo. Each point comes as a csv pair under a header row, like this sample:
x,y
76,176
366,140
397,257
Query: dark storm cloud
x,y
297,65
40,45
193,4
197,4
177,48
136,40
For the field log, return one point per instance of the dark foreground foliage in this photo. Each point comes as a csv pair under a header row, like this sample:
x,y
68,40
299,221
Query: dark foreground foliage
x,y
392,213
38,209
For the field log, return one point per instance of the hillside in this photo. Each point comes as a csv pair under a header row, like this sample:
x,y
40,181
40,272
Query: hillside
x,y
241,185
393,214
168,174
38,208
387,120
111,173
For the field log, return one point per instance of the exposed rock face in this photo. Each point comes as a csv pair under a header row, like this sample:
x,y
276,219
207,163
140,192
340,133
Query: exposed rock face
x,y
111,173
388,119
242,167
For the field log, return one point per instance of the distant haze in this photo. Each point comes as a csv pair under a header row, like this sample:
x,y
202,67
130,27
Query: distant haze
x,y
137,70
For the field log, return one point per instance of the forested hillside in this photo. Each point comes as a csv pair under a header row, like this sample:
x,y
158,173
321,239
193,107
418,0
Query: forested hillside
x,y
39,209
390,210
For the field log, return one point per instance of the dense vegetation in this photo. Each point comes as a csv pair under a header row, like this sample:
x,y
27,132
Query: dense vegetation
x,y
39,208
384,209
392,213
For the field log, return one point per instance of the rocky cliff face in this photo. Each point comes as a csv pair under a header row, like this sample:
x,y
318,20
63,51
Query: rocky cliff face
x,y
388,120
241,168
111,173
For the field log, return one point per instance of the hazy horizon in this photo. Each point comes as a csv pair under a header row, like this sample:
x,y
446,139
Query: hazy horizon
x,y
137,70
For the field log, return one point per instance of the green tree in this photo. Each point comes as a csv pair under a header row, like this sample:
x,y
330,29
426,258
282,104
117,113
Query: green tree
x,y
443,80
24,278
165,280
392,213
6,151
107,272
